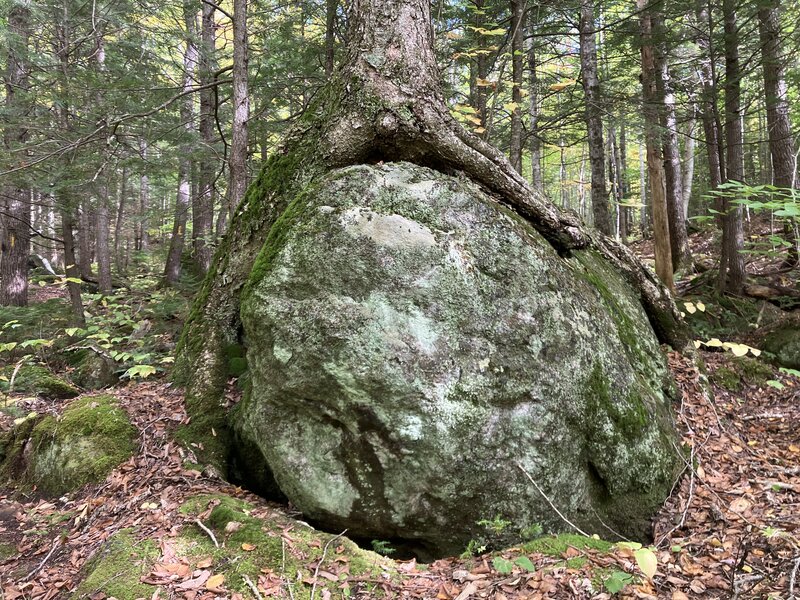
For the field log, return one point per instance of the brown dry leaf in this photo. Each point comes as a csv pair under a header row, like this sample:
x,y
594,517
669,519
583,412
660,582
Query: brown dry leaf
x,y
214,583
697,586
205,563
740,505
678,595
248,547
196,582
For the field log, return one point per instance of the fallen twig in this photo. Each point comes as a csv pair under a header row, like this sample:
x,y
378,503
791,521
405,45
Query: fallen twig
x,y
210,533
553,506
321,560
253,587
793,577
56,544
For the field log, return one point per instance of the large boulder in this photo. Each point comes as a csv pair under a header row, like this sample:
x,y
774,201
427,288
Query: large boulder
x,y
421,359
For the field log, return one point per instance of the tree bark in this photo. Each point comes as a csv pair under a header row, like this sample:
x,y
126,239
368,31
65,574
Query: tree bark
x,y
678,238
172,269
144,201
203,201
594,119
687,164
781,143
102,247
517,55
537,181
15,208
70,267
237,162
119,259
710,115
732,276
331,6
655,158
385,104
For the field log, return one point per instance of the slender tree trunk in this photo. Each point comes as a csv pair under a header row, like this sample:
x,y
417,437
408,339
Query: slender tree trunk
x,y
781,143
172,269
655,159
562,172
123,194
144,201
237,162
594,118
687,164
15,233
537,181
625,183
103,223
679,241
71,268
203,201
733,276
517,55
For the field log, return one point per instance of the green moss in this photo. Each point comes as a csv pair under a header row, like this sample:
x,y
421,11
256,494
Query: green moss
x,y
7,551
753,370
83,445
116,569
557,545
630,418
233,522
727,378
39,380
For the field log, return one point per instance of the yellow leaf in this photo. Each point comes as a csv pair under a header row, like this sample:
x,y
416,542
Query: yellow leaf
x,y
214,582
690,307
562,85
479,130
511,106
739,349
793,448
248,547
701,307
747,568
714,343
485,82
755,351
647,561
697,343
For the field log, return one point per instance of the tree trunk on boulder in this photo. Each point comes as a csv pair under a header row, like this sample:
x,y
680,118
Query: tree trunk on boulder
x,y
383,105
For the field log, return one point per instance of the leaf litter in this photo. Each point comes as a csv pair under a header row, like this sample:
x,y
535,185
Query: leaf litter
x,y
729,530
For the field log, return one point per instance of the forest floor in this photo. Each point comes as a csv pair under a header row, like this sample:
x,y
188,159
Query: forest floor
x,y
730,529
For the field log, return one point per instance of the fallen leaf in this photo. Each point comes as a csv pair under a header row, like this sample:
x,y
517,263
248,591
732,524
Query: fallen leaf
x,y
214,582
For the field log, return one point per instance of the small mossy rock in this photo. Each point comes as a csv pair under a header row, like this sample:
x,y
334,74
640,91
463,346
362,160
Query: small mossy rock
x,y
38,380
116,569
91,437
784,343
93,371
419,356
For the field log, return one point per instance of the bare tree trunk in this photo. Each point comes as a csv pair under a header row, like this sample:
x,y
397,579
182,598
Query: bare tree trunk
x,y
594,118
781,143
103,223
144,201
203,201
733,276
562,172
517,54
71,269
123,193
15,232
678,237
330,33
655,159
172,269
625,184
537,181
709,113
237,162
687,164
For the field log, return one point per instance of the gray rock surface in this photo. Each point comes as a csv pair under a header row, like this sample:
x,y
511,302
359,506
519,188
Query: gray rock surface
x,y
416,352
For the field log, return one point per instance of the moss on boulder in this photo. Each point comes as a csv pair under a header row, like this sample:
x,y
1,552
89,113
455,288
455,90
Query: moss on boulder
x,y
39,380
61,454
784,344
416,351
117,567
